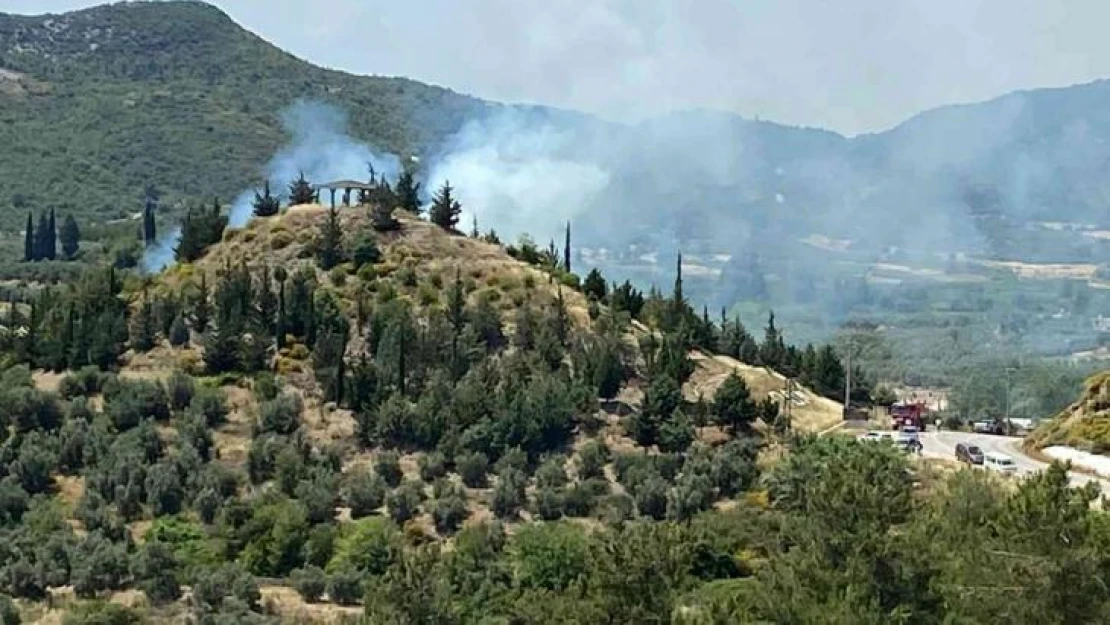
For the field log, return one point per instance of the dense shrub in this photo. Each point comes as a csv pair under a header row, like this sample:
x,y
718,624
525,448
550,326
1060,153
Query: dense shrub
x,y
473,469
180,388
404,502
432,466
363,492
209,404
281,415
345,587
129,402
387,465
310,582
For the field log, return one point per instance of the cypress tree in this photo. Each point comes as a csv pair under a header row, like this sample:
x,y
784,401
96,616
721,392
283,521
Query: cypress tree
x,y
330,250
70,238
456,314
143,329
445,208
150,233
408,192
202,310
679,301
42,238
52,238
267,302
300,192
221,350
29,240
281,324
179,332
566,250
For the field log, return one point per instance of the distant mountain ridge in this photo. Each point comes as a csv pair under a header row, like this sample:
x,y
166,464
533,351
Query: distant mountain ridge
x,y
176,95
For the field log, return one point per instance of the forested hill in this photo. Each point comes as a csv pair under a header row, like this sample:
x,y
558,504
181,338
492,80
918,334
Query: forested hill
x,y
96,105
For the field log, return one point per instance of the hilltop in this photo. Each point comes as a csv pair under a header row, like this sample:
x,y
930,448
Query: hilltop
x,y
371,376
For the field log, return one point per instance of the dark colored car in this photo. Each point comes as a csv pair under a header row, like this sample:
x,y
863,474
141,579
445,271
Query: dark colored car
x,y
969,453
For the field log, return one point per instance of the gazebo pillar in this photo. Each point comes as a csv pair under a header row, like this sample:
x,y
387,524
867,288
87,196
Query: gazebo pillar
x,y
333,198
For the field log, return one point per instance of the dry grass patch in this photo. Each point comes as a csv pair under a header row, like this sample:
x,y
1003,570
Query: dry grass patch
x,y
284,602
809,412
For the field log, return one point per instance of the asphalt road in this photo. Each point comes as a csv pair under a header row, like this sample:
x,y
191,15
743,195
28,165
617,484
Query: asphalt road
x,y
942,444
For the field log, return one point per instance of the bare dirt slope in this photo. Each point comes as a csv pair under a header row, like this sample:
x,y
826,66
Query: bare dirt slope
x,y
809,411
1085,425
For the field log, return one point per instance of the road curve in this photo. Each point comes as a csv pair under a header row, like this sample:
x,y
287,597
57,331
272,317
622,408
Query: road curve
x,y
942,444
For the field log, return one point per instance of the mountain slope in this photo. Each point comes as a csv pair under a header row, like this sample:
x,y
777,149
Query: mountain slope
x,y
176,95
173,95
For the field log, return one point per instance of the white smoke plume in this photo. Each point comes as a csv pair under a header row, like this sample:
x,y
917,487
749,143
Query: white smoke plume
x,y
320,147
517,176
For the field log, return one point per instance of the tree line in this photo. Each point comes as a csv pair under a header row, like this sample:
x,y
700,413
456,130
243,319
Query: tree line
x,y
40,242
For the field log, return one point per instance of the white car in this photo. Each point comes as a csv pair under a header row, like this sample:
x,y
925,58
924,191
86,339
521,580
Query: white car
x,y
877,435
994,461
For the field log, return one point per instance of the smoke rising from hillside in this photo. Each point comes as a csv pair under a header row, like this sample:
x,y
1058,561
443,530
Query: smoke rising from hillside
x,y
319,146
322,149
517,177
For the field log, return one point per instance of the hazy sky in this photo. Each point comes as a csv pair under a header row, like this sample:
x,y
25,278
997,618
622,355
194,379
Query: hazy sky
x,y
849,65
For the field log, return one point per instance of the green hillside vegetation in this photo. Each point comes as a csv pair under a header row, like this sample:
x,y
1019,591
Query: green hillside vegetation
x,y
352,414
177,97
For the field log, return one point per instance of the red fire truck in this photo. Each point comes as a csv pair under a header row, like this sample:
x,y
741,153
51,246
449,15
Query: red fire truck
x,y
906,413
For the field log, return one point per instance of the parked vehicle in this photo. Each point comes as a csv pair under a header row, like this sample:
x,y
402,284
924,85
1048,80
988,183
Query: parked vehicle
x,y
985,427
970,454
908,414
1001,463
877,435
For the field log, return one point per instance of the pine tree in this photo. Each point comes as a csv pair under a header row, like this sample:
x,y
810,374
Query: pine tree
x,y
594,287
566,250
300,192
265,204
445,208
150,234
70,238
733,405
29,250
51,237
408,192
330,246
200,229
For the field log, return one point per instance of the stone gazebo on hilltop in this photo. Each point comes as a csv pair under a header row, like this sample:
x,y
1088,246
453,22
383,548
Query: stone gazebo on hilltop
x,y
381,215
346,186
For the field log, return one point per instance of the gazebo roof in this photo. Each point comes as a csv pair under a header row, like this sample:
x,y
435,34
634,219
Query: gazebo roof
x,y
342,185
